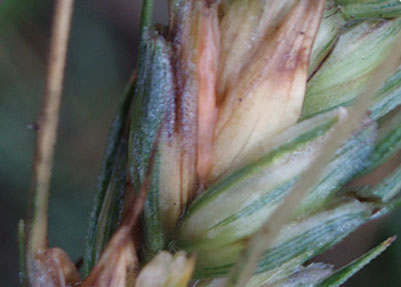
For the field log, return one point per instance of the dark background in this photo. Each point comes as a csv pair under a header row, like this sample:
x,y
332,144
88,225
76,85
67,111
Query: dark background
x,y
101,57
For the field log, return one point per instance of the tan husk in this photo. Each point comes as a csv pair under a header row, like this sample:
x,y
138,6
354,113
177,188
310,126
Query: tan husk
x,y
52,267
268,96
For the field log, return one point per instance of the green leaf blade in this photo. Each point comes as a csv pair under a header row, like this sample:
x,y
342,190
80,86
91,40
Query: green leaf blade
x,y
237,205
342,275
369,9
348,162
118,126
302,239
345,74
388,97
152,116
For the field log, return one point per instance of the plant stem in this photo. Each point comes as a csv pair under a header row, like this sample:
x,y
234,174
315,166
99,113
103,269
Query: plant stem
x,y
146,16
21,252
120,122
47,130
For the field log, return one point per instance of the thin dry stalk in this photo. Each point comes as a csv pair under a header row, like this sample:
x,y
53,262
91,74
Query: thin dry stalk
x,y
47,129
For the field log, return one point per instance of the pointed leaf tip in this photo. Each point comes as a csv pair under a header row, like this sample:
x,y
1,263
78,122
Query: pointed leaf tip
x,y
342,275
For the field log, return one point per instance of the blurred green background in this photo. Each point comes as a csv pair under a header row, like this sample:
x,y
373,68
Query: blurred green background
x,y
101,57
